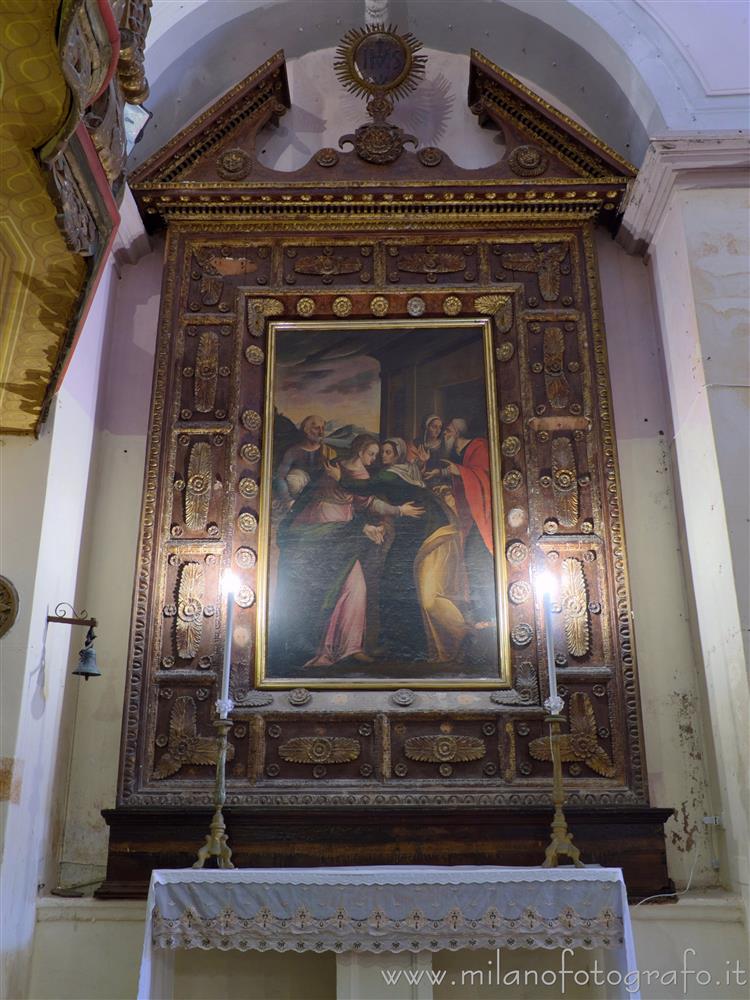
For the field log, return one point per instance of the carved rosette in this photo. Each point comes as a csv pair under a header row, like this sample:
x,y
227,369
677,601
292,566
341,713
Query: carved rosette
x,y
189,619
574,602
378,142
581,743
444,749
8,605
198,486
206,371
183,744
320,750
565,482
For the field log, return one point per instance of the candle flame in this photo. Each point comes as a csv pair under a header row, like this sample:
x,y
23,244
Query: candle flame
x,y
229,582
545,583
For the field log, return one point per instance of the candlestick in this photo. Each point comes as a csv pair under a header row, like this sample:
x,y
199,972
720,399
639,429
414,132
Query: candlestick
x,y
223,704
551,666
546,584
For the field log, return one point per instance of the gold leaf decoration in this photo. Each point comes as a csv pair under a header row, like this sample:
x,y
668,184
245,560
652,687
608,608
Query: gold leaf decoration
x,y
546,264
184,745
198,487
258,310
442,749
558,390
211,289
565,482
498,306
327,266
206,371
431,263
581,743
189,620
575,609
320,750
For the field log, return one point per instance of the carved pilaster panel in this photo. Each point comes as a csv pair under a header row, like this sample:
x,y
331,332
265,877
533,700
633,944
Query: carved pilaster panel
x,y
197,503
208,370
327,750
336,264
434,263
552,478
444,748
218,269
544,267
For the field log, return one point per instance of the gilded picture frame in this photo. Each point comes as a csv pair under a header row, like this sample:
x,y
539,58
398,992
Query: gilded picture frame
x,y
381,554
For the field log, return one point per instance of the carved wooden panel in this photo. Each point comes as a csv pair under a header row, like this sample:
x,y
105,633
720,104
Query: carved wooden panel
x,y
201,515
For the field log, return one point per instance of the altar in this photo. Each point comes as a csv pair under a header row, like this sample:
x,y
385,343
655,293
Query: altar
x,y
363,912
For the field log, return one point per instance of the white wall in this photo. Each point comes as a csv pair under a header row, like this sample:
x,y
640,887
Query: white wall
x,y
108,560
44,486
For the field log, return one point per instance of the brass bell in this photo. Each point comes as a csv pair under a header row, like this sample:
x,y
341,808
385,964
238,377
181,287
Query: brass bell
x,y
87,658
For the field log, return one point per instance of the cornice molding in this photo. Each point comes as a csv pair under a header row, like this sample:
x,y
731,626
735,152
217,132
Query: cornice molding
x,y
697,160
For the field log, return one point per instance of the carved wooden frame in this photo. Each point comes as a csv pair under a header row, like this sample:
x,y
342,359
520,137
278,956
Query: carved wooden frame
x,y
524,246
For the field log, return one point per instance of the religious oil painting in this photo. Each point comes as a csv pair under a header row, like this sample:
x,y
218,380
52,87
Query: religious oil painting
x,y
380,558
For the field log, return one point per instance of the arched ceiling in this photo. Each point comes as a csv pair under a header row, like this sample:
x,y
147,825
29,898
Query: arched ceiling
x,y
616,65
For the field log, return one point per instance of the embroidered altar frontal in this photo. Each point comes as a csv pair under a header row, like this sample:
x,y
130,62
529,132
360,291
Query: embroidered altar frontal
x,y
381,399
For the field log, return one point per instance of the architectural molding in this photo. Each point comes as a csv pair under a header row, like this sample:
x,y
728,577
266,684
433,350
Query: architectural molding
x,y
676,161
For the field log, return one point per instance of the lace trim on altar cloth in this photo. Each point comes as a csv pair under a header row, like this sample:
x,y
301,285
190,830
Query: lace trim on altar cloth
x,y
389,875
380,933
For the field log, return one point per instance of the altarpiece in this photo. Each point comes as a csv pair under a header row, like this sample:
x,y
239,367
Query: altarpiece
x,y
382,399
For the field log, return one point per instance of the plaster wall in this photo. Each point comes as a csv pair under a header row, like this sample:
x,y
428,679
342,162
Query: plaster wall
x,y
699,258
43,501
108,561
92,948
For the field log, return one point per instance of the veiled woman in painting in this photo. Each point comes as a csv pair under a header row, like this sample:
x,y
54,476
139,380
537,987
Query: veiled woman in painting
x,y
428,449
422,572
322,591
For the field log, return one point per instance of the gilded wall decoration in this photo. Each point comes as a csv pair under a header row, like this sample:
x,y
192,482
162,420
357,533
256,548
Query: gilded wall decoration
x,y
528,161
565,482
575,611
189,617
258,310
320,750
327,266
430,263
182,744
206,371
517,246
445,749
545,262
581,742
8,605
558,390
498,306
198,486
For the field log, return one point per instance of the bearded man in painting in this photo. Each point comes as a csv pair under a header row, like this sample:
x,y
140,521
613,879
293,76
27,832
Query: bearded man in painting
x,y
468,465
303,461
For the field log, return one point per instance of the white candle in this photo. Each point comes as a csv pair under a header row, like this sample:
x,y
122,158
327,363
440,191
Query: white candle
x,y
230,587
551,669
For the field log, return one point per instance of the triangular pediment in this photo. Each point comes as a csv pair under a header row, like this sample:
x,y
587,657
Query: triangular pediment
x,y
211,168
531,123
234,120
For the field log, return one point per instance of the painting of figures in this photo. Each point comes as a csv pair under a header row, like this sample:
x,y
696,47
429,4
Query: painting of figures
x,y
383,525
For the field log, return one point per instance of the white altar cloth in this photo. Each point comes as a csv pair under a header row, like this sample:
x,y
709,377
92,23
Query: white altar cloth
x,y
383,910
